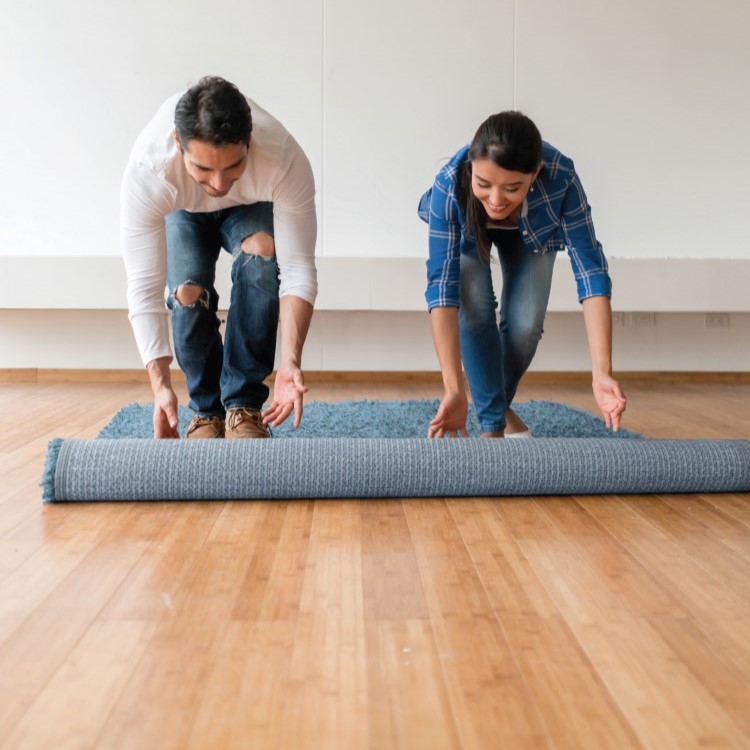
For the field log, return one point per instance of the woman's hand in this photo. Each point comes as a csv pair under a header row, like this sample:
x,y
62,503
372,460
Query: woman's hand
x,y
451,416
597,314
610,399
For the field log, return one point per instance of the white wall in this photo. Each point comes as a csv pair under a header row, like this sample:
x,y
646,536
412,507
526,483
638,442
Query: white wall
x,y
401,97
81,78
649,98
652,100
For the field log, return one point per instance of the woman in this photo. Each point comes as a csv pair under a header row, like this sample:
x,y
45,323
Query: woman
x,y
509,189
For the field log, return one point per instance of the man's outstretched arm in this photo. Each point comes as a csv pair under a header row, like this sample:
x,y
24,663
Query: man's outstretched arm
x,y
289,386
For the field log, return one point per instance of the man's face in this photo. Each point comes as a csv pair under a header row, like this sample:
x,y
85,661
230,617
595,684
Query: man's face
x,y
214,168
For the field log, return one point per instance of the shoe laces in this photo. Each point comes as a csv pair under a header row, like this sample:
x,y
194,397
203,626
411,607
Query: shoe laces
x,y
197,422
238,416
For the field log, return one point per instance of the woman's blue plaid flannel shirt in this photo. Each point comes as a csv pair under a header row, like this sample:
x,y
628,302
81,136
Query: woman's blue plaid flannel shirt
x,y
554,215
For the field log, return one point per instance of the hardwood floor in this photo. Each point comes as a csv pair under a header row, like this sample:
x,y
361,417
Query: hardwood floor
x,y
550,622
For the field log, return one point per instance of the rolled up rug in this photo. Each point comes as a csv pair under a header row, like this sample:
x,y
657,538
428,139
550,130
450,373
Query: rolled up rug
x,y
144,469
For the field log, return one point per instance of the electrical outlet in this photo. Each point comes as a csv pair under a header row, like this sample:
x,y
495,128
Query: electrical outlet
x,y
716,320
644,319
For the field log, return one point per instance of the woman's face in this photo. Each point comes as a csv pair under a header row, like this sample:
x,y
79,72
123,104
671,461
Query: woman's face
x,y
500,191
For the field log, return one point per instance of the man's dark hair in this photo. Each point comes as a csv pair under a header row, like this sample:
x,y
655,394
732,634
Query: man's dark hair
x,y
213,111
512,141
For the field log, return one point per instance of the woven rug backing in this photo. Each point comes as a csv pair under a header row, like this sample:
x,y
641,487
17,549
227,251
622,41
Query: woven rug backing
x,y
142,469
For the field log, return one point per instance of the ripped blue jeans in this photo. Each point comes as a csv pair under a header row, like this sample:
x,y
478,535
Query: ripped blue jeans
x,y
226,374
496,355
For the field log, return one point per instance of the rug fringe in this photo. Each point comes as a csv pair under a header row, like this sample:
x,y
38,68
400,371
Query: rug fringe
x,y
48,474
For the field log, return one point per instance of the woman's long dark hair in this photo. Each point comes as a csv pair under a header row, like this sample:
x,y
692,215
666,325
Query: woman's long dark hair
x,y
513,142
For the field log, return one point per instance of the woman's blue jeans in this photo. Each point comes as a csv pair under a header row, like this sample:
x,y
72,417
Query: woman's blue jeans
x,y
226,374
496,355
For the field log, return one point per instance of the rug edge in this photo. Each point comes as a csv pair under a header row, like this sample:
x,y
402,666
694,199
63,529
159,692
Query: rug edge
x,y
48,472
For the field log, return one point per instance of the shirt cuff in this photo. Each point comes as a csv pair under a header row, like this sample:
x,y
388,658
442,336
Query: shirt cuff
x,y
151,335
594,285
441,298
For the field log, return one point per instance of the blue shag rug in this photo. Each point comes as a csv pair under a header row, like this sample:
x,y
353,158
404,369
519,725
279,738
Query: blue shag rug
x,y
383,419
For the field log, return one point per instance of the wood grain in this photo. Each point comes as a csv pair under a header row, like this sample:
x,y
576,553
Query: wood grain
x,y
550,622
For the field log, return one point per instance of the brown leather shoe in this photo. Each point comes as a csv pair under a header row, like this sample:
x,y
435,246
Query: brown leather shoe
x,y
205,427
246,423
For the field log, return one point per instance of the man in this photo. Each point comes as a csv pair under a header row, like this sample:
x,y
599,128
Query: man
x,y
213,170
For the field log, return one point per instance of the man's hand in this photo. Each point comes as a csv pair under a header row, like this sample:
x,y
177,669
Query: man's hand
x,y
165,399
610,399
294,319
451,416
288,390
165,414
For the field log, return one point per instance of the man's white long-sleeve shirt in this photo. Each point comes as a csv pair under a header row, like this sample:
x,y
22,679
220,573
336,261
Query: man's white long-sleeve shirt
x,y
156,183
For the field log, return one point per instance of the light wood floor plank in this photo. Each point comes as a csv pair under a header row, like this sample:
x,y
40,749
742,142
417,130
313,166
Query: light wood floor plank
x,y
466,623
272,588
703,597
33,652
326,705
149,591
706,634
184,640
390,572
489,697
408,702
663,606
708,518
725,568
403,666
640,670
245,688
32,582
71,710
575,705
13,554
732,504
